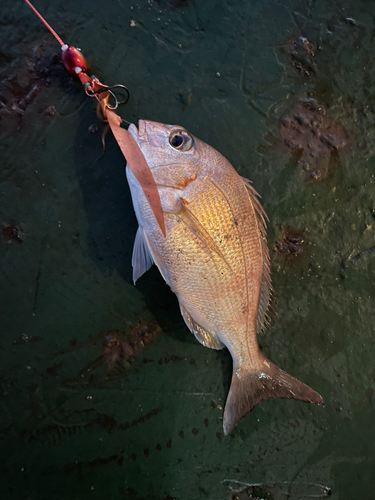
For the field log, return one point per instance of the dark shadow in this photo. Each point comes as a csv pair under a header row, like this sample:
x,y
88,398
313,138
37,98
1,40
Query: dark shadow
x,y
112,223
106,198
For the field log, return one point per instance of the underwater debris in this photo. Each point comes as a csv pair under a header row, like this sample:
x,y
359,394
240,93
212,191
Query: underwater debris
x,y
50,111
301,55
100,422
117,350
12,233
23,339
167,359
289,245
364,252
314,138
269,491
30,69
53,371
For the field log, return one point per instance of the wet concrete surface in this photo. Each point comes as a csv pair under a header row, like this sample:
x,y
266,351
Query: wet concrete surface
x,y
104,393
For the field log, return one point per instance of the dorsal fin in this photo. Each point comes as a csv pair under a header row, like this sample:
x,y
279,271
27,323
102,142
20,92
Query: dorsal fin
x,y
204,337
267,301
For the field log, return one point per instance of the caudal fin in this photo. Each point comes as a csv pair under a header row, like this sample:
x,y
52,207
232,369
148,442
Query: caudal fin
x,y
248,388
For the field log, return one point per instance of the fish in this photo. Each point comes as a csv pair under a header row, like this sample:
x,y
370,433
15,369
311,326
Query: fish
x,y
214,257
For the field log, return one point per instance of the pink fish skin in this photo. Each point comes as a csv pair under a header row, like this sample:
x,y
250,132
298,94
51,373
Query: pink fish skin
x,y
214,257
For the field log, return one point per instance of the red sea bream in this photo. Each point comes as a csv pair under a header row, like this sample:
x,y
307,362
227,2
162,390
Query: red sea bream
x,y
214,257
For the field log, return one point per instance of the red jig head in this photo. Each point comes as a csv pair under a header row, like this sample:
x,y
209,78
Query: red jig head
x,y
75,64
73,60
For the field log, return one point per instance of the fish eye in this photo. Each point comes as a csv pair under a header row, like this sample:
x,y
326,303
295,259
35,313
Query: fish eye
x,y
177,141
181,140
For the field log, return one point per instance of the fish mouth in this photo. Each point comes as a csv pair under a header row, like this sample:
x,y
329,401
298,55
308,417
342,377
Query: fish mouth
x,y
139,134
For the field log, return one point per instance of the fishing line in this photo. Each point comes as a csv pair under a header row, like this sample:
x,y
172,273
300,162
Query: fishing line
x,y
45,23
76,64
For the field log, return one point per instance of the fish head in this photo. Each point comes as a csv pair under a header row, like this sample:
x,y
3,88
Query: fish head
x,y
164,145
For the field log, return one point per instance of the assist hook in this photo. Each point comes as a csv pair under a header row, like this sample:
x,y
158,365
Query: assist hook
x,y
110,89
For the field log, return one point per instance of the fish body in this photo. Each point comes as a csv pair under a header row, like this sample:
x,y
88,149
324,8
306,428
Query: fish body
x,y
214,257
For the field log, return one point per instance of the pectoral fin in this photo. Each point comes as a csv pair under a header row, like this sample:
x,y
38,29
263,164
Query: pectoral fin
x,y
189,219
142,259
204,337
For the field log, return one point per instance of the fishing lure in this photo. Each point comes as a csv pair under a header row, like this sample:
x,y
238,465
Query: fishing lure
x,y
76,64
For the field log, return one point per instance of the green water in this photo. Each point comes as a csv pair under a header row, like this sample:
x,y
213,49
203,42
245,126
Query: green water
x,y
79,418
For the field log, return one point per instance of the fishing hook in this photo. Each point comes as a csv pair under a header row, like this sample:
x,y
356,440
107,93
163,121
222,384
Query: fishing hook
x,y
94,93
118,86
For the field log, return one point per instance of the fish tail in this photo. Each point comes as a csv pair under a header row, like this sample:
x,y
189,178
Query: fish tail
x,y
250,387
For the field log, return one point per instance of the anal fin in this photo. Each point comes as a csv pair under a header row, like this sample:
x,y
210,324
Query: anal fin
x,y
142,259
204,337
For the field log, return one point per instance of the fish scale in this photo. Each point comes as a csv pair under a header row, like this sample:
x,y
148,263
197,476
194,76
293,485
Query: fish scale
x,y
223,230
214,257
